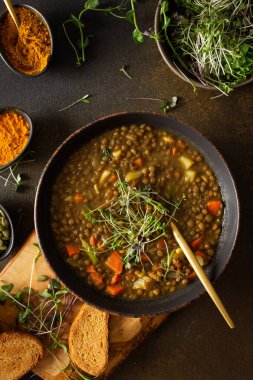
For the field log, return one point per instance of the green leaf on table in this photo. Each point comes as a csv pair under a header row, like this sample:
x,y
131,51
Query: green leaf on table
x,y
7,288
138,36
42,278
62,292
130,16
76,21
55,284
23,315
91,4
46,294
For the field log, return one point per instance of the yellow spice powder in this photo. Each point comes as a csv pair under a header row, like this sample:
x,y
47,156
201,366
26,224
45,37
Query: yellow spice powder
x,y
28,49
14,135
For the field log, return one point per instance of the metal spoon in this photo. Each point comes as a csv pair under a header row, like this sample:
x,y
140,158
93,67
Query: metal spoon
x,y
201,274
12,12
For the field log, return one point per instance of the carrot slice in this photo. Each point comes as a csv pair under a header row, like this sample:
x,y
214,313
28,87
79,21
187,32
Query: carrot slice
x,y
200,253
97,278
72,250
213,206
115,290
191,276
79,198
113,178
115,278
93,241
100,246
138,163
90,269
160,244
196,243
144,258
174,152
115,262
181,144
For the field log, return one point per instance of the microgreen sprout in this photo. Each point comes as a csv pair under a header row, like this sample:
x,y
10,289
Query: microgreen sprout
x,y
123,70
137,218
83,42
43,314
84,99
9,175
211,40
166,105
124,11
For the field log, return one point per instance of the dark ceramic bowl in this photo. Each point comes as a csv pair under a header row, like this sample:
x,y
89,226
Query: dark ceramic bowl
x,y
90,295
11,241
24,114
177,69
42,18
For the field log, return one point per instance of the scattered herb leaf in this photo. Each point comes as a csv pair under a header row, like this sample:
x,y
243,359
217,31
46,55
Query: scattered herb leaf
x,y
9,173
123,70
84,99
42,278
166,106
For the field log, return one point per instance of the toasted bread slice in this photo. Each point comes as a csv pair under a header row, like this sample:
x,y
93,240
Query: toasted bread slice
x,y
88,340
19,353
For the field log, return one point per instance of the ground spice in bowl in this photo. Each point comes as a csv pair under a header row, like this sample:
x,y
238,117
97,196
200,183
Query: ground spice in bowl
x,y
28,49
15,133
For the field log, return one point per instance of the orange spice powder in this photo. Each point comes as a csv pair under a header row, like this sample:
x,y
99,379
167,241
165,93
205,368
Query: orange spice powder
x,y
28,49
14,135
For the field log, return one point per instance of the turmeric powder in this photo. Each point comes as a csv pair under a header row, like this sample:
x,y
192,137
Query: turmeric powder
x,y
28,49
14,135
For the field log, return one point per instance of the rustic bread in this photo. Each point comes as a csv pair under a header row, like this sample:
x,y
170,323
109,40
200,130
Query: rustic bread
x,y
19,352
88,340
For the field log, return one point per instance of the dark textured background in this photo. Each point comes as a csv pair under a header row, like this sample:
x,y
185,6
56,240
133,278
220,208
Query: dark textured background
x,y
193,343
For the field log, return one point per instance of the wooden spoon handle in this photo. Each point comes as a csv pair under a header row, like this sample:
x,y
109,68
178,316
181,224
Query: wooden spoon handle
x,y
201,274
12,12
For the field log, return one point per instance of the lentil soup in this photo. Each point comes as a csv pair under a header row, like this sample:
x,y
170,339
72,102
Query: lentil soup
x,y
111,207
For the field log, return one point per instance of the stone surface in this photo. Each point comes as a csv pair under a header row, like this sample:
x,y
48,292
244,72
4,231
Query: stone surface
x,y
194,343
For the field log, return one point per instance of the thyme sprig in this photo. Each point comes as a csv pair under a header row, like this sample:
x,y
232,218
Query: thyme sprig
x,y
136,219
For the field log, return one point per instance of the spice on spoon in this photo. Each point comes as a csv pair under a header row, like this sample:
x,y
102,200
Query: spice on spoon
x,y
28,48
14,135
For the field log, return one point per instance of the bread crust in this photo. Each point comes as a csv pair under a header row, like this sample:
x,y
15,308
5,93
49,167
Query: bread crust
x,y
19,353
88,340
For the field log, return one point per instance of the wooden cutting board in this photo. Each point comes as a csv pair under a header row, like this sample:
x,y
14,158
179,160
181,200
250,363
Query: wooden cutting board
x,y
125,334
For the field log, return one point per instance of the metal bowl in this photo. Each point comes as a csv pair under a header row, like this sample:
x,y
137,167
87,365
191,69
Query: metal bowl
x,y
177,69
42,18
27,117
87,293
11,241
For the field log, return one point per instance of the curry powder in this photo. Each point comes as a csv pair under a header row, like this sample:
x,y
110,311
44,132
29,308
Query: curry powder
x,y
14,135
28,49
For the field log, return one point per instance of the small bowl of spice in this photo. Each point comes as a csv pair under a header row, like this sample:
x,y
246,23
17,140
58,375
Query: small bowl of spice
x,y
15,135
6,233
28,49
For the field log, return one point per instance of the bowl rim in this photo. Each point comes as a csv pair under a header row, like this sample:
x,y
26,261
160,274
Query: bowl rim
x,y
12,236
27,117
5,59
190,295
163,49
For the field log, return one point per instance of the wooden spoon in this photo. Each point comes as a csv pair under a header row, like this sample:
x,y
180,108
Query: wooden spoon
x,y
201,274
12,12
17,23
